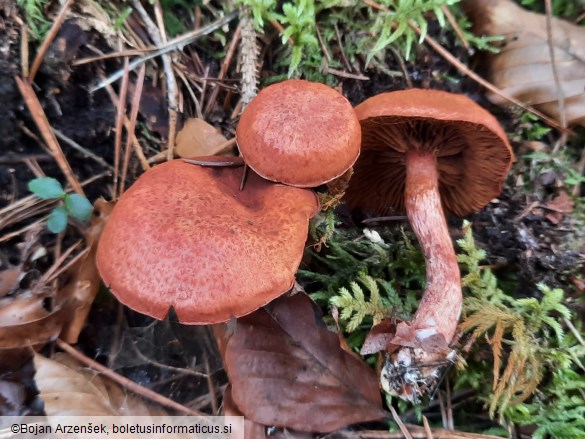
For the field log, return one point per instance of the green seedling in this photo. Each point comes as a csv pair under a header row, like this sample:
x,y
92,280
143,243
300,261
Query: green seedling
x,y
76,205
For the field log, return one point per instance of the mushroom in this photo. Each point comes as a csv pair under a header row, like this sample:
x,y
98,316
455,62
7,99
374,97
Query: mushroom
x,y
429,152
185,236
299,133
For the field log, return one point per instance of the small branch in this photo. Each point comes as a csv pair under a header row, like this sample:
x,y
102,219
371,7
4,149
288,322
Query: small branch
x,y
135,142
82,150
48,40
340,41
175,43
40,118
455,26
126,383
120,115
224,67
132,126
158,35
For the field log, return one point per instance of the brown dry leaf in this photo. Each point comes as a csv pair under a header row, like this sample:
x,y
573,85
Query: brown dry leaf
x,y
379,337
199,139
252,430
559,206
69,389
523,68
8,279
287,369
85,285
26,320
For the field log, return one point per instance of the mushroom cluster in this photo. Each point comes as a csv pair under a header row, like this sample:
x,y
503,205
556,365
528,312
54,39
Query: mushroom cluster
x,y
429,153
186,236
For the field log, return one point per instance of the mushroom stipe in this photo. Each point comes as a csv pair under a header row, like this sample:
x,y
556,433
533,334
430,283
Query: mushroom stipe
x,y
426,152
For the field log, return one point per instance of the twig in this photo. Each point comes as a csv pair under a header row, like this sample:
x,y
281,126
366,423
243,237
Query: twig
x,y
118,54
120,115
158,35
125,382
402,65
343,74
401,425
340,41
224,68
190,91
132,126
385,218
427,428
81,149
40,118
574,331
455,26
24,67
560,94
135,142
322,44
175,43
280,30
48,40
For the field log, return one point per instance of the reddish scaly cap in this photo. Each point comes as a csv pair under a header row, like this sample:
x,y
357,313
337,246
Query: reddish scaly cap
x,y
472,151
299,133
185,236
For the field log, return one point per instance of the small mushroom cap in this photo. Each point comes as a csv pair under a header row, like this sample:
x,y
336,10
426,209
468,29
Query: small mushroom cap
x,y
300,133
472,151
185,236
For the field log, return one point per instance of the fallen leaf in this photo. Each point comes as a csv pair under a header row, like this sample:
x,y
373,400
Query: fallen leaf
x,y
199,139
559,206
379,337
252,430
288,370
25,320
70,389
523,68
8,279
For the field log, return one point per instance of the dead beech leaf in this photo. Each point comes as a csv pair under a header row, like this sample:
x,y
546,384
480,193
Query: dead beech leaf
x,y
8,279
26,320
558,207
379,337
288,370
523,68
199,139
252,430
69,389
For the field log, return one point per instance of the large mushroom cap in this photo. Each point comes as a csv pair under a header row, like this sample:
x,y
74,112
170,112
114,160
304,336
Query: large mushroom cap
x,y
185,236
472,151
299,133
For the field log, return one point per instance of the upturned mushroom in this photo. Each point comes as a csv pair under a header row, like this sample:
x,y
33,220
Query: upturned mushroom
x,y
429,152
299,133
184,236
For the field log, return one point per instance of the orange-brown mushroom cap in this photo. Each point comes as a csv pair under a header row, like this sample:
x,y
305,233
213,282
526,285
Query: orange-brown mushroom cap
x,y
185,236
299,133
472,151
